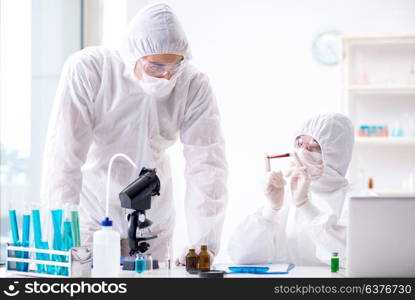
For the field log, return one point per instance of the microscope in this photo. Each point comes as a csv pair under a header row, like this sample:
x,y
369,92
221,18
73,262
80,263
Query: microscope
x,y
137,196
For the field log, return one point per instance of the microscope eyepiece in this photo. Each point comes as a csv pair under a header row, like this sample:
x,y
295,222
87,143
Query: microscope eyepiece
x,y
137,195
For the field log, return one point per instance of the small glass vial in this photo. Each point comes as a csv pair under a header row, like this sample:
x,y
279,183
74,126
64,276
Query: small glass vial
x,y
335,262
370,183
140,264
204,259
191,261
149,262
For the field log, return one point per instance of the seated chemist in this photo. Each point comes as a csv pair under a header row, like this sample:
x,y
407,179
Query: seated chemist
x,y
305,223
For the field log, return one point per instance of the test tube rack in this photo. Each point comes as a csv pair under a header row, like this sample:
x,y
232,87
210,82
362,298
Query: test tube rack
x,y
33,262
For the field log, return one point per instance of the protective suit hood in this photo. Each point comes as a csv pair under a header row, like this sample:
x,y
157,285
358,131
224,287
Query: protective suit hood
x,y
335,134
155,29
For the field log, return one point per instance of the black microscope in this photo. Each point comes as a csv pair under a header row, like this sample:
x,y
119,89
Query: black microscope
x,y
137,196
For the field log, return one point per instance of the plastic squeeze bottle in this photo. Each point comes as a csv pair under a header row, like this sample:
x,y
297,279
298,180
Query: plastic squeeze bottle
x,y
106,251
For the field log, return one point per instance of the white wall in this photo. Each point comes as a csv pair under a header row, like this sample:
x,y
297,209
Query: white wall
x,y
258,57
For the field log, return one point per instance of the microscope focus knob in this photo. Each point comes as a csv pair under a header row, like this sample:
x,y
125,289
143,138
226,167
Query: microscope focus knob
x,y
143,247
141,218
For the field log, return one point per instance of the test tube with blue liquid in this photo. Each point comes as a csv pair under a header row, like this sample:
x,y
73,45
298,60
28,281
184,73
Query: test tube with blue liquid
x,y
25,238
15,236
67,236
39,244
57,215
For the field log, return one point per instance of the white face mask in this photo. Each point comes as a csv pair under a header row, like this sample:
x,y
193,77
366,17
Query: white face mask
x,y
313,161
157,87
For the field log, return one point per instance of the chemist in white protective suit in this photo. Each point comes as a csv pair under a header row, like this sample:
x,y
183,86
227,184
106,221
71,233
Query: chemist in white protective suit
x,y
138,100
303,221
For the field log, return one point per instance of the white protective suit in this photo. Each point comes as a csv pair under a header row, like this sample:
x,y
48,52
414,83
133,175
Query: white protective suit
x,y
305,235
101,109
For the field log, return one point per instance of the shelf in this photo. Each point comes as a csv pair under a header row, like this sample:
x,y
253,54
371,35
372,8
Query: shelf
x,y
394,193
379,40
382,89
399,141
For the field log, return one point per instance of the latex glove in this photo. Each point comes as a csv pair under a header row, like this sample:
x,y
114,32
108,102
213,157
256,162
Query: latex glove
x,y
274,189
300,185
181,259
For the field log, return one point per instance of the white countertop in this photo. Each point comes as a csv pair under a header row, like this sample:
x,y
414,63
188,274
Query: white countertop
x,y
302,271
180,272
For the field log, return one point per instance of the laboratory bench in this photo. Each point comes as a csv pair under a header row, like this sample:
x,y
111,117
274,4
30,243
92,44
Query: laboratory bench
x,y
180,272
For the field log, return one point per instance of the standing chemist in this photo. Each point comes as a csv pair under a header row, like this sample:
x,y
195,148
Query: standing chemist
x,y
138,100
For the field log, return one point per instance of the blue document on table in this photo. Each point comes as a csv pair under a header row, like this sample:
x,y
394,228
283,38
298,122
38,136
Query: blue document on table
x,y
255,269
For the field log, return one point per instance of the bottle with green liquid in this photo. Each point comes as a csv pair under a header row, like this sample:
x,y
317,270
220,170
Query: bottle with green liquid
x,y
335,262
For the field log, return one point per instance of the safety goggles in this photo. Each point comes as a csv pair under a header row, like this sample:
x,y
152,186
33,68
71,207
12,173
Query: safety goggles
x,y
308,143
159,69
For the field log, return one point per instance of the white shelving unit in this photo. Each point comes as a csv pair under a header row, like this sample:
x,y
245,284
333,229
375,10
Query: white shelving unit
x,y
379,90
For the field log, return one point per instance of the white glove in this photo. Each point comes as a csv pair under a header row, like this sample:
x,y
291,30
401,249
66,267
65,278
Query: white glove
x,y
274,189
181,260
300,185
